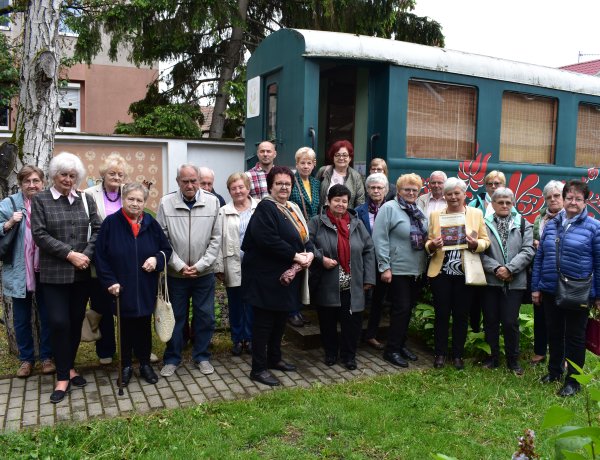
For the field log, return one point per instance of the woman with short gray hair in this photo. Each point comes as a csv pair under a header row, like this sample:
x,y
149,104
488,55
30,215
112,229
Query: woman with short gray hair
x,y
505,264
64,226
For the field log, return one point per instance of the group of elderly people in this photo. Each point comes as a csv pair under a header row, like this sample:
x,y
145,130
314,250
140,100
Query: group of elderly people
x,y
333,242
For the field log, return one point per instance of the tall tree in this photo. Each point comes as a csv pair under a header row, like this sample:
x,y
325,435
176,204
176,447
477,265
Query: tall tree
x,y
209,39
38,111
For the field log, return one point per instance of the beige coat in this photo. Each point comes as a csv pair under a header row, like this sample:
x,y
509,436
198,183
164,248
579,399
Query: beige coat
x,y
97,194
229,261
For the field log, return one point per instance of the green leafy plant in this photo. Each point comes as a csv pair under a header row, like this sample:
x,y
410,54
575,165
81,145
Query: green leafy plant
x,y
574,442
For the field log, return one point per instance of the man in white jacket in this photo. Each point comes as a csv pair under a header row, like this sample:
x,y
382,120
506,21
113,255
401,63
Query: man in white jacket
x,y
189,219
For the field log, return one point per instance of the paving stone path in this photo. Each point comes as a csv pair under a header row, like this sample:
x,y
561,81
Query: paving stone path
x,y
24,403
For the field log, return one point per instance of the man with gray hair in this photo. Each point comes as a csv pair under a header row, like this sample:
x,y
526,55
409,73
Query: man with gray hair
x,y
207,182
434,200
189,219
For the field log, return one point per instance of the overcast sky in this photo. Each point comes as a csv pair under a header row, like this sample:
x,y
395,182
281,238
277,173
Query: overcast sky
x,y
544,32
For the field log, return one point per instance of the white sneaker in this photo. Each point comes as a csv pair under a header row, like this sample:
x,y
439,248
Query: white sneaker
x,y
205,367
168,370
154,358
106,360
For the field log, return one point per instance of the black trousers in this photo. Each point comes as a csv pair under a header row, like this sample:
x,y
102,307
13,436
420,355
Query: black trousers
x,y
477,303
66,309
375,310
136,337
540,336
267,332
451,297
350,328
404,291
566,336
502,307
102,302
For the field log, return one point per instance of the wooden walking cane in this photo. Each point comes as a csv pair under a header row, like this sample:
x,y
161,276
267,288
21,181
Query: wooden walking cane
x,y
120,380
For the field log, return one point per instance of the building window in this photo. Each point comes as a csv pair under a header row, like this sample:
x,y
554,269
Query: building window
x,y
70,110
272,111
441,121
5,18
528,128
587,150
4,117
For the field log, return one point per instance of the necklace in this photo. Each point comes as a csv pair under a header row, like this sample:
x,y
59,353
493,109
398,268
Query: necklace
x,y
109,198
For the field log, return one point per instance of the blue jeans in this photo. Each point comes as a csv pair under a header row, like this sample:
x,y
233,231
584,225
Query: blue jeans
x,y
202,292
23,330
240,316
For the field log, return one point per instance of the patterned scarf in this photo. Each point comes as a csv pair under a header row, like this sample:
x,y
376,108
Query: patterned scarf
x,y
296,219
547,218
374,207
418,232
343,239
503,227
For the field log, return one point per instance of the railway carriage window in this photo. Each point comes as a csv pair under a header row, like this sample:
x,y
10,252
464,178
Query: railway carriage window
x,y
587,149
272,110
528,128
441,121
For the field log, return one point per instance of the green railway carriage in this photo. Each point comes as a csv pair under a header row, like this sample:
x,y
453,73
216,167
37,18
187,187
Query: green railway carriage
x,y
424,108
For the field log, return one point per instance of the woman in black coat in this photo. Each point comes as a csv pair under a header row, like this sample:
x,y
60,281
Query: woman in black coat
x,y
131,252
276,238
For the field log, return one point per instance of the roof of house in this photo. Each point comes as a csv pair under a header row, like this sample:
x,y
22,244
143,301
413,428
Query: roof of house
x,y
589,67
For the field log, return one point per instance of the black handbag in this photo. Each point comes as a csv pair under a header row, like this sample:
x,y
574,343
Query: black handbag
x,y
7,241
571,293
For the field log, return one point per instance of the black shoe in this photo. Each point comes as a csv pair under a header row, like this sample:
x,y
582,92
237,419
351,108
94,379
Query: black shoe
x,y
248,347
549,378
330,360
283,366
350,364
304,320
459,364
490,363
237,349
296,321
408,354
126,373
78,381
569,389
266,378
395,359
439,362
515,367
148,373
58,395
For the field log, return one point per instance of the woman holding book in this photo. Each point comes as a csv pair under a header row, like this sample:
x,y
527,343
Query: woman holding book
x,y
451,295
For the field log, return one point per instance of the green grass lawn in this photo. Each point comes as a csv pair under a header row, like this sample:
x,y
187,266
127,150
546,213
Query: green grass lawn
x,y
475,414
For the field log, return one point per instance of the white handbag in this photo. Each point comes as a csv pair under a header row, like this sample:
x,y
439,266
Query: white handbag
x,y
474,274
164,319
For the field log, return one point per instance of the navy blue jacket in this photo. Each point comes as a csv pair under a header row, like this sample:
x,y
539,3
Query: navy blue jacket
x,y
362,212
119,258
579,253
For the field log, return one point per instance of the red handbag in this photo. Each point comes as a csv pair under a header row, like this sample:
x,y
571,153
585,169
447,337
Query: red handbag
x,y
592,336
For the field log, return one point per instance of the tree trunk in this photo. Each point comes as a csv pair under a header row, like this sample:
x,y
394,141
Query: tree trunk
x,y
38,112
232,60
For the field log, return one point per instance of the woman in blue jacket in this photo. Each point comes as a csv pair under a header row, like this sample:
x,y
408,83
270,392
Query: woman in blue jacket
x,y
131,250
579,257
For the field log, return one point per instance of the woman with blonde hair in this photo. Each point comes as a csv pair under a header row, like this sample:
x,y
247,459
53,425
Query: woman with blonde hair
x,y
107,196
399,234
234,217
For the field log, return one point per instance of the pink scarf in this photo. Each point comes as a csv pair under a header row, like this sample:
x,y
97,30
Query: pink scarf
x,y
32,252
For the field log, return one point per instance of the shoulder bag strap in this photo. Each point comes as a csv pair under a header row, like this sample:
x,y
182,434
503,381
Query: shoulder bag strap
x,y
301,197
12,200
165,291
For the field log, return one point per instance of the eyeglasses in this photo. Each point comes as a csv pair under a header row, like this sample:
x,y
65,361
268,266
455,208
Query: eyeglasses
x,y
32,182
410,190
494,184
504,203
375,187
283,184
341,155
375,169
573,199
115,174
